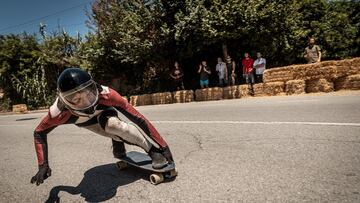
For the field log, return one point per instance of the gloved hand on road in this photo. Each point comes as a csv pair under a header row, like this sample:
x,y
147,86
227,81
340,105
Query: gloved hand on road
x,y
43,173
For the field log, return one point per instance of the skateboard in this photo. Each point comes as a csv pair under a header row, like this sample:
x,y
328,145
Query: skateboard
x,y
143,161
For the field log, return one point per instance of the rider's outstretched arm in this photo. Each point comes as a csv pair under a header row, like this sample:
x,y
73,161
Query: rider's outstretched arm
x,y
54,118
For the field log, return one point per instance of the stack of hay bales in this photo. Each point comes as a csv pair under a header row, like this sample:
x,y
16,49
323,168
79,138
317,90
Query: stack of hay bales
x,y
348,67
295,87
141,100
183,96
231,92
208,94
351,82
273,88
161,98
19,108
319,85
244,91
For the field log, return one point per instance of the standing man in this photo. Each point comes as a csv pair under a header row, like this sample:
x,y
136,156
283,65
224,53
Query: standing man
x,y
230,65
312,53
222,72
247,64
177,75
259,66
204,72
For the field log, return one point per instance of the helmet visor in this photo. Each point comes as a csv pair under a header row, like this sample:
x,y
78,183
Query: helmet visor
x,y
82,97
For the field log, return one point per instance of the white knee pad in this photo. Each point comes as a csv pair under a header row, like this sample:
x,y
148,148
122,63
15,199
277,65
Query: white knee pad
x,y
127,132
115,125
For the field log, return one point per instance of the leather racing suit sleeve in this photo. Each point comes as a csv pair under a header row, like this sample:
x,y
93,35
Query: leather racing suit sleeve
x,y
53,118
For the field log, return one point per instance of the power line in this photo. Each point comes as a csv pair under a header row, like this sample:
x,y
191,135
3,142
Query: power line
x,y
38,19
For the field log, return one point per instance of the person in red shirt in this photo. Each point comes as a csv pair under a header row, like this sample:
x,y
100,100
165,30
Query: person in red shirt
x,y
102,110
247,64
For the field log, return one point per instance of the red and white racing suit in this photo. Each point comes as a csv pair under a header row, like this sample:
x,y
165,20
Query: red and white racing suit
x,y
114,127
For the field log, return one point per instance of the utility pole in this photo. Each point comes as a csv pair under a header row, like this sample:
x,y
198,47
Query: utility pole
x,y
42,30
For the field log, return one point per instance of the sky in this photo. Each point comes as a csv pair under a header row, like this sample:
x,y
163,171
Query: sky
x,y
17,16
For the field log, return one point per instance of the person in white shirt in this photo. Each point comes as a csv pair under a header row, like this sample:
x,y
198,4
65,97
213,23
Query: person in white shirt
x,y
259,65
222,72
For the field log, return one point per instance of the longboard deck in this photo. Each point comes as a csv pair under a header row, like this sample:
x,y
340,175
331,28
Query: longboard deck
x,y
143,161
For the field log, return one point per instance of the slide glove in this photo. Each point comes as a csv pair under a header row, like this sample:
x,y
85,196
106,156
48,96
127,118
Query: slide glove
x,y
43,173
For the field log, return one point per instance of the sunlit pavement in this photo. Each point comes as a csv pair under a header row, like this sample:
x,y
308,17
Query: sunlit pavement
x,y
272,149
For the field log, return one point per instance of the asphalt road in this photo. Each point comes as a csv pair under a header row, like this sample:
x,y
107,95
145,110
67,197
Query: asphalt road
x,y
270,149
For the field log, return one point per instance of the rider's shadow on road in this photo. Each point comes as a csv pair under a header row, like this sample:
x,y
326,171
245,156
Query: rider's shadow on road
x,y
99,184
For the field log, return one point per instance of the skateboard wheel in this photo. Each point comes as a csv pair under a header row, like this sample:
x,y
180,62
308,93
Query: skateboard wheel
x,y
121,165
156,178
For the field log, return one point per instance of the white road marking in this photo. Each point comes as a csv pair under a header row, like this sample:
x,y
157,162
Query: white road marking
x,y
234,122
257,122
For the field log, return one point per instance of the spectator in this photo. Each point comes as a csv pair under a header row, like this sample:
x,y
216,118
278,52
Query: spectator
x,y
177,75
247,64
230,66
312,53
222,72
204,72
259,65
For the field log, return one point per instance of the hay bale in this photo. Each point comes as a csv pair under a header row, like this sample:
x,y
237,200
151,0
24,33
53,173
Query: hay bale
x,y
244,91
319,85
348,67
208,94
231,92
19,108
355,62
329,63
258,90
140,100
161,98
300,71
281,74
317,72
274,88
201,94
351,82
183,96
215,93
295,87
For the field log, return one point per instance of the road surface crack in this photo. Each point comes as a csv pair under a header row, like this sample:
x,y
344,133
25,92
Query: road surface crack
x,y
199,147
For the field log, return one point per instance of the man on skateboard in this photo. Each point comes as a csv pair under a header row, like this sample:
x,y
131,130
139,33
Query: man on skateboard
x,y
83,102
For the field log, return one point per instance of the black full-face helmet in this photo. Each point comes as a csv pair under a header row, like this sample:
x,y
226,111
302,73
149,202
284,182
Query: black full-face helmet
x,y
77,90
